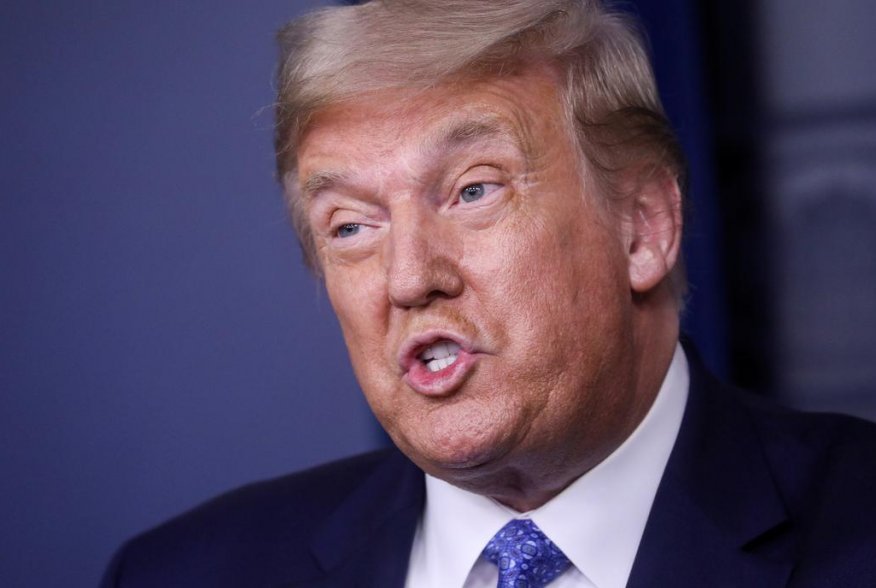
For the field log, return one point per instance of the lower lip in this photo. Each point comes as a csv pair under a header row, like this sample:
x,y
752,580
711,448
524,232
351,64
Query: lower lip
x,y
442,382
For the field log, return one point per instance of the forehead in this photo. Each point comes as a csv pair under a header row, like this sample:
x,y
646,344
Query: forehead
x,y
523,108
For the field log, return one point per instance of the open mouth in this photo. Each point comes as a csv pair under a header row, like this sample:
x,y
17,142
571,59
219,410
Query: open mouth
x,y
439,355
436,363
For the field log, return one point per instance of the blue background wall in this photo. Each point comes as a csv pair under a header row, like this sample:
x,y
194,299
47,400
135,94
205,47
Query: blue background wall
x,y
159,340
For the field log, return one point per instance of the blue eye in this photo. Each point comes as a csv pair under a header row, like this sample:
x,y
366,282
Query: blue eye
x,y
347,230
473,192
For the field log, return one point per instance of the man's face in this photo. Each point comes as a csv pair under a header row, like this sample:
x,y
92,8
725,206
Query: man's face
x,y
482,288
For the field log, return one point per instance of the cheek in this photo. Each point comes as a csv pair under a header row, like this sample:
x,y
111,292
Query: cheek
x,y
356,299
557,283
364,335
536,268
515,274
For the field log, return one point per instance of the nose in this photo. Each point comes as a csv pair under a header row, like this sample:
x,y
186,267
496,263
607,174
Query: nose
x,y
422,259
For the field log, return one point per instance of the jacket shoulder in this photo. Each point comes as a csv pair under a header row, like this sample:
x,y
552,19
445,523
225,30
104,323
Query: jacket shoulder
x,y
248,536
824,466
813,441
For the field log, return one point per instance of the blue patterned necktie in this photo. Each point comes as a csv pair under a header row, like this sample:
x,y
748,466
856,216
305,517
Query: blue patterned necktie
x,y
526,558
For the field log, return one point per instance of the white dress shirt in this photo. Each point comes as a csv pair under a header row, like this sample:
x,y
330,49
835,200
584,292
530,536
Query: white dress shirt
x,y
597,521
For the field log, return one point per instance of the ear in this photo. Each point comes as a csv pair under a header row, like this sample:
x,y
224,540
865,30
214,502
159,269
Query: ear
x,y
654,229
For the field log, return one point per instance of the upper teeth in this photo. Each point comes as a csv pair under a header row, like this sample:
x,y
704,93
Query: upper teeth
x,y
438,356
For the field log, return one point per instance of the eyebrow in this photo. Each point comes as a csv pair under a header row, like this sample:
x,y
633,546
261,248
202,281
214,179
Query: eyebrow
x,y
321,180
465,132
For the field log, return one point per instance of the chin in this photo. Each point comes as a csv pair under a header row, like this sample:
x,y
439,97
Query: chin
x,y
458,456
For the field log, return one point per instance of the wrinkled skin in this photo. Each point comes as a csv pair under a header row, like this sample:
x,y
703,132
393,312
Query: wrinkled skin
x,y
460,212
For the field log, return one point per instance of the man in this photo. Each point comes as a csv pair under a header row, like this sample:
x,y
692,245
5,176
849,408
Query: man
x,y
490,191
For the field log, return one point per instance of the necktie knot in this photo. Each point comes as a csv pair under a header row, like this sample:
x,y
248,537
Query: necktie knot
x,y
526,558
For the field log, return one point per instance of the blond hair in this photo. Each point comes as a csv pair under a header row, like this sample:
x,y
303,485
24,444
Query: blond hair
x,y
609,91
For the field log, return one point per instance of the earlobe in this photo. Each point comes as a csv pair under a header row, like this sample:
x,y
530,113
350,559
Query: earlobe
x,y
654,230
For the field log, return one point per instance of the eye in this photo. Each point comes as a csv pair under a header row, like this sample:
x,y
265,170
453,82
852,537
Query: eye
x,y
474,192
347,230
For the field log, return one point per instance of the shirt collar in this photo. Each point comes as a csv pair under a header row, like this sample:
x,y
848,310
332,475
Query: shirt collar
x,y
597,521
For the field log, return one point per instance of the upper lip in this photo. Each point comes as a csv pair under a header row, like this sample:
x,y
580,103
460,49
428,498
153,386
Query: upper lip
x,y
414,345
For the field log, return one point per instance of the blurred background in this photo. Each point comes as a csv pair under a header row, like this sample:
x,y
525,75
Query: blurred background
x,y
160,341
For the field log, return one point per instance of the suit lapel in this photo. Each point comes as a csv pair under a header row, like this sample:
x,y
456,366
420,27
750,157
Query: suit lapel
x,y
367,539
718,518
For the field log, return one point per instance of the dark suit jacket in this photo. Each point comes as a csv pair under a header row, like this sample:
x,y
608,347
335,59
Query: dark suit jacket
x,y
752,496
